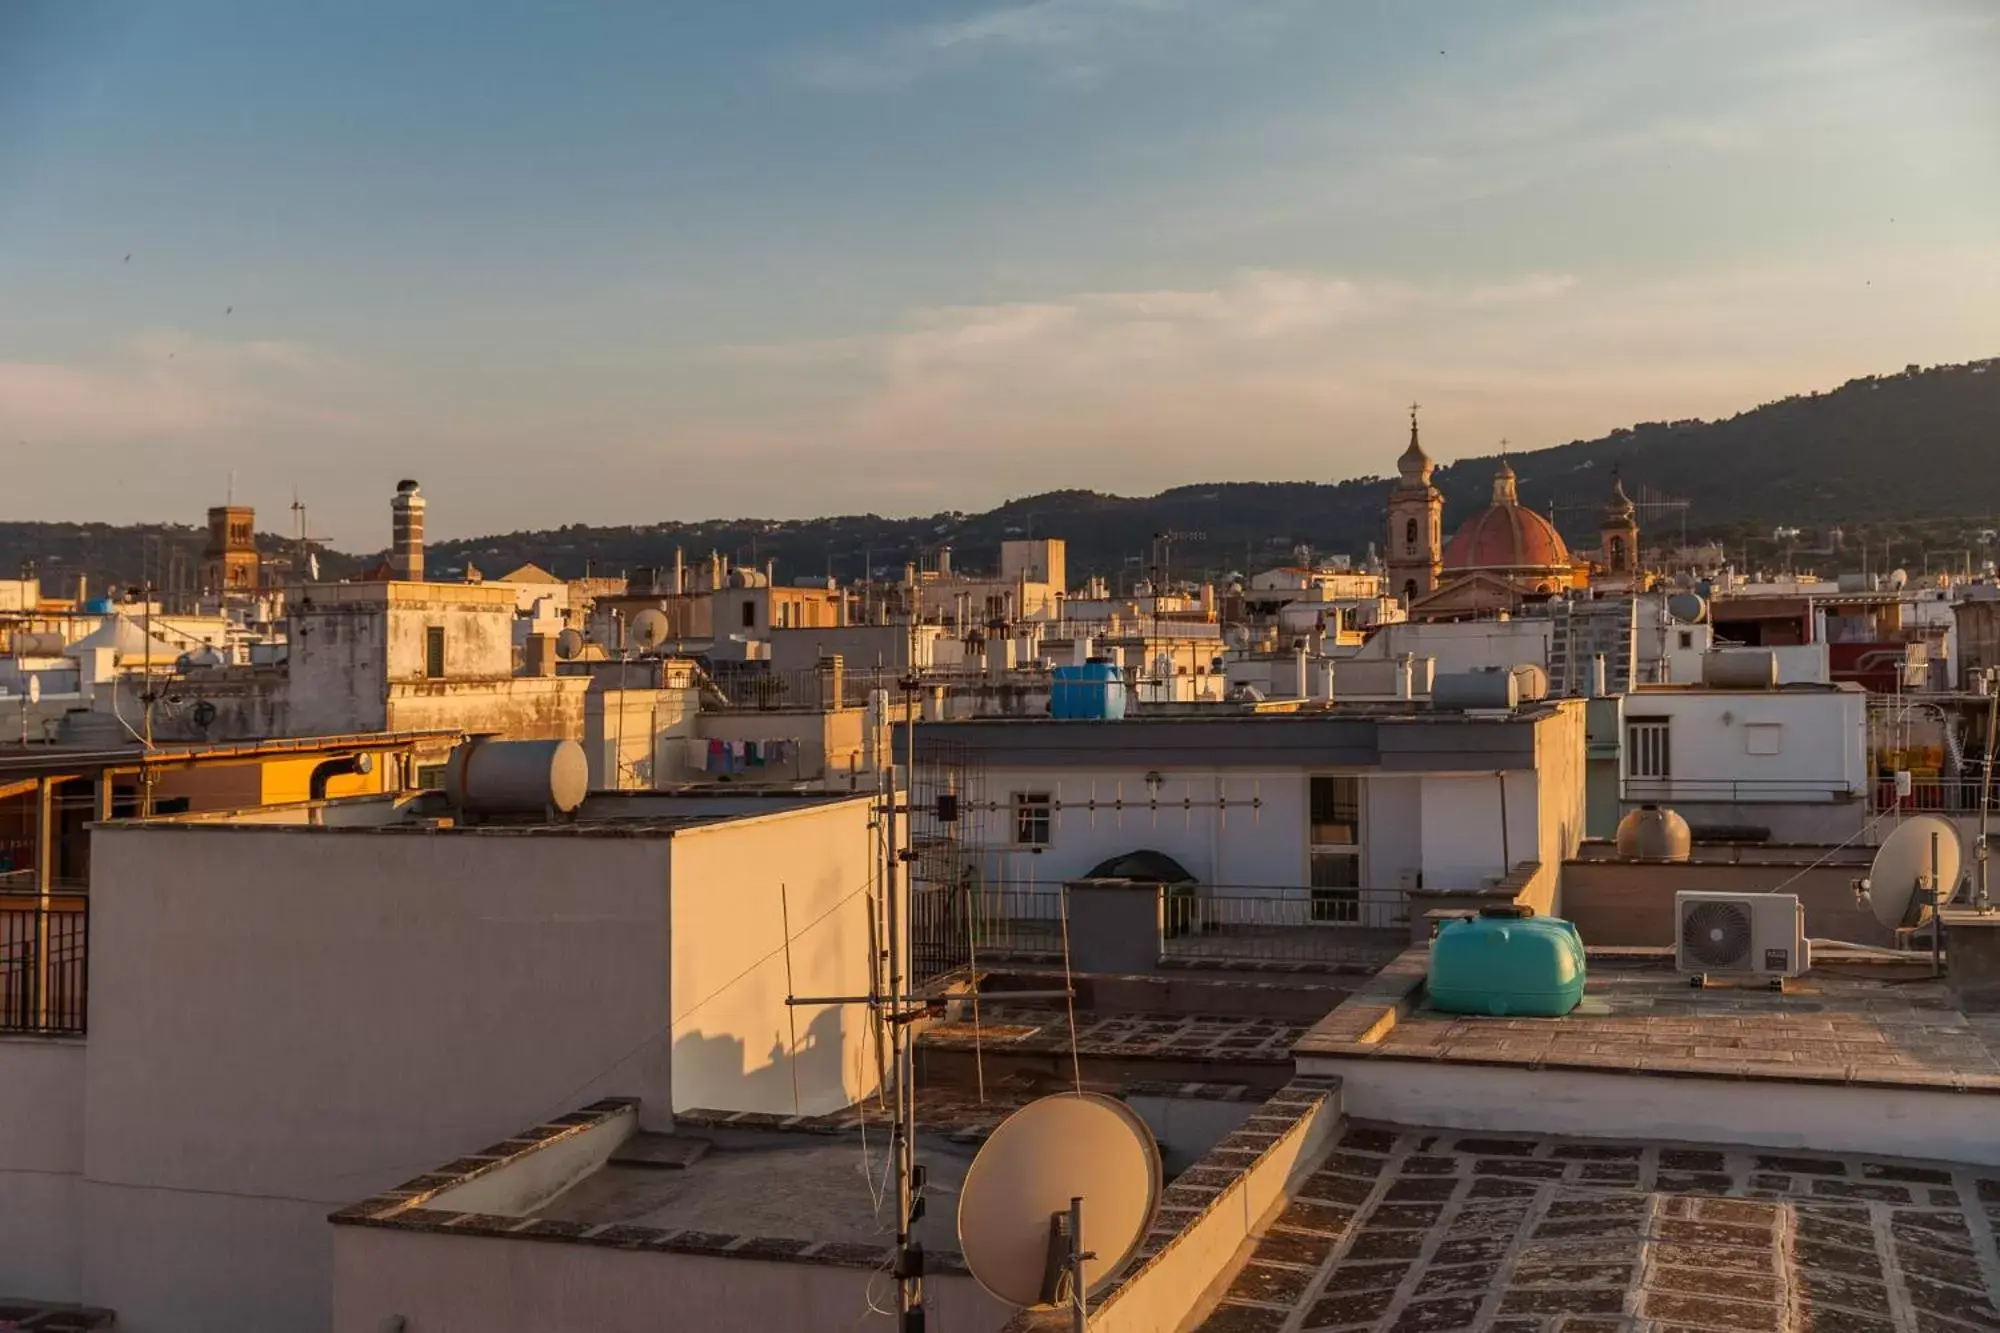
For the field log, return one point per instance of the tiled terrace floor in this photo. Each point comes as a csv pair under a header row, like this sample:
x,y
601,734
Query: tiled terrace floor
x,y
1040,1028
1415,1232
1825,1028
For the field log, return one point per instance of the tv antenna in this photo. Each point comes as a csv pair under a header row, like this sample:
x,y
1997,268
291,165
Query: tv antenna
x,y
1914,873
1021,1210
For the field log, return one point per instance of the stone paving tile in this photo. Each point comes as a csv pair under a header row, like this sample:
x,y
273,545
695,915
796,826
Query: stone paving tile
x,y
1678,1240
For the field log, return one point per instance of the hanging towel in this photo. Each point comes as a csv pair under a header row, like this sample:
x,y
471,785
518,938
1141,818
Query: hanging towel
x,y
696,754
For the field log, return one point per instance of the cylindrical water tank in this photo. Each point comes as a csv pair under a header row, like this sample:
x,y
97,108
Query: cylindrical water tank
x,y
517,777
35,643
1488,687
1740,669
1651,833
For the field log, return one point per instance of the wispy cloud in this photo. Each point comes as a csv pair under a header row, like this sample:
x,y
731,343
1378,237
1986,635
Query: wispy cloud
x,y
1288,373
1075,40
163,385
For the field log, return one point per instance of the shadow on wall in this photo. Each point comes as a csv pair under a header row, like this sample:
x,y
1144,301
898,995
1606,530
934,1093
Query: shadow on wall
x,y
715,1073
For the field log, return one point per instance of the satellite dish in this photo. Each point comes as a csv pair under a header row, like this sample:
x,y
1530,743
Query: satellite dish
x,y
1074,1145
34,689
1899,579
649,630
568,644
1904,863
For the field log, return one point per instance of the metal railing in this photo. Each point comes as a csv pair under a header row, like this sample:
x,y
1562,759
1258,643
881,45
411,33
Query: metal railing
x,y
1016,919
1739,791
1280,923
1944,796
1213,922
43,974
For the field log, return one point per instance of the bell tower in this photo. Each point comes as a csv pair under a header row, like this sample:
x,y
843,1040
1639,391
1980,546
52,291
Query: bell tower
x,y
1619,533
1416,524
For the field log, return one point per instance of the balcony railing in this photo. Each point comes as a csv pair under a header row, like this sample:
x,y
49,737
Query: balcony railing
x,y
1944,796
1282,924
43,958
1210,922
1740,791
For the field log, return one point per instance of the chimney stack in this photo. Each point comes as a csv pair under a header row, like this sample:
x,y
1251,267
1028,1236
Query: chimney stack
x,y
406,545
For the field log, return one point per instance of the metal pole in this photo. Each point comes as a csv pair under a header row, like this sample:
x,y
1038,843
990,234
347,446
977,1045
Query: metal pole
x,y
1986,783
45,861
909,1286
1079,1305
1938,896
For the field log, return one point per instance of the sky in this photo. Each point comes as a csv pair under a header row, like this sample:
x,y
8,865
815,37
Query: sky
x,y
678,259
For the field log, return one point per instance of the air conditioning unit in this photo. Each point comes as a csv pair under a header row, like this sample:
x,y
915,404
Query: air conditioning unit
x,y
1760,935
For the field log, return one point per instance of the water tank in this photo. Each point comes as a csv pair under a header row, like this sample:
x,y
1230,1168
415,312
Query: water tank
x,y
1506,962
1740,669
92,730
99,606
1092,692
35,643
1487,687
516,777
1690,608
1653,834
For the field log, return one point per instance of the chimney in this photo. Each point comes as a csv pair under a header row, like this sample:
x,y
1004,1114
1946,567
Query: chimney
x,y
680,571
406,544
944,562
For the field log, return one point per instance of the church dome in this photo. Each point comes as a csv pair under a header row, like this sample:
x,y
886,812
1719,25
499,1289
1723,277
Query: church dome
x,y
1505,536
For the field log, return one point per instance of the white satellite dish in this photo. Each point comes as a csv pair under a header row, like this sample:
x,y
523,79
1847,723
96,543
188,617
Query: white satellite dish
x,y
1014,1207
1915,869
568,644
649,629
1899,579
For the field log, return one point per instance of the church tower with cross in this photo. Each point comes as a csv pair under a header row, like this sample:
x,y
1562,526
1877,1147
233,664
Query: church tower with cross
x,y
1416,524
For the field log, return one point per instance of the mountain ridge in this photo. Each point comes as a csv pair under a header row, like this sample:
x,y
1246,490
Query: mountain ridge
x,y
1913,453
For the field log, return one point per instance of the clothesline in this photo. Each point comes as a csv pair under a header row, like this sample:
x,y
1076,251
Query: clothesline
x,y
711,756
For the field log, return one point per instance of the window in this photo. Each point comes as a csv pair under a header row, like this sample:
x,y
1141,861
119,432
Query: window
x,y
1333,835
1764,738
1410,537
1647,754
1687,638
749,615
430,777
434,651
1032,818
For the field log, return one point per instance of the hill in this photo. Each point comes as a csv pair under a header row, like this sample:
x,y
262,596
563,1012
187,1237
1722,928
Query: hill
x,y
1912,457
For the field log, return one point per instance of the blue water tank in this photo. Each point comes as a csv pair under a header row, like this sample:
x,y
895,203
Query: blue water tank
x,y
1507,963
1093,692
99,606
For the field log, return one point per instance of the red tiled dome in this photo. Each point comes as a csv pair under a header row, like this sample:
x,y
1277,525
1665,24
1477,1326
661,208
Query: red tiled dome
x,y
1506,536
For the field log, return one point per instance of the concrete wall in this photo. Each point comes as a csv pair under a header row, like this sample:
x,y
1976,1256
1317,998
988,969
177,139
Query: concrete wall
x,y
735,1044
1462,843
472,1284
1561,800
518,707
831,745
41,1165
1621,904
632,738
1821,737
1466,645
349,641
283,1023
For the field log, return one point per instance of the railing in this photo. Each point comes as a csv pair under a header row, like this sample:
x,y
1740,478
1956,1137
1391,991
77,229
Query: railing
x,y
1945,796
1016,919
1739,791
1282,923
43,954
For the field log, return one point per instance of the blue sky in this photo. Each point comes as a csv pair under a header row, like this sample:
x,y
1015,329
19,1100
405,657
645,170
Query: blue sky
x,y
623,263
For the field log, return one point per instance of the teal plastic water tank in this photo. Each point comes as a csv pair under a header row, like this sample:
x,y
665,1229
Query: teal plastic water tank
x,y
1507,962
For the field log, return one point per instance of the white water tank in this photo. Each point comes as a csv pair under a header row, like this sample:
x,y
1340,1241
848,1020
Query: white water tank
x,y
1740,669
517,777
